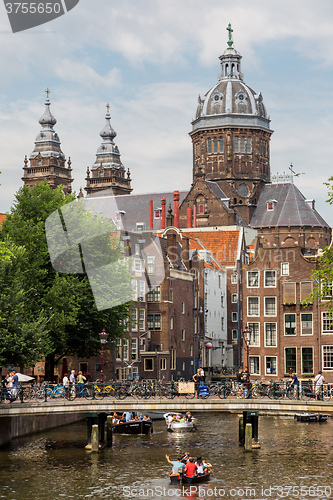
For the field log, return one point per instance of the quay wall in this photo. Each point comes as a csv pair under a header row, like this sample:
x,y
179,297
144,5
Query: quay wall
x,y
22,425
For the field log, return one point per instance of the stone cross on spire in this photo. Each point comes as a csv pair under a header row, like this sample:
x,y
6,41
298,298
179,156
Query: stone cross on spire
x,y
108,108
230,42
48,92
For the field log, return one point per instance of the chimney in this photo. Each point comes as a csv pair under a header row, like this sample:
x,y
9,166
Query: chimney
x,y
163,201
172,248
176,208
194,216
189,217
151,214
186,251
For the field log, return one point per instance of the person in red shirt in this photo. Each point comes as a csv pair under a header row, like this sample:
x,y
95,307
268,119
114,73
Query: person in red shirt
x,y
190,468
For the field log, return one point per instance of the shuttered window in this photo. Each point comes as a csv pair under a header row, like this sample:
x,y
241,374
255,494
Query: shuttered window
x,y
289,293
306,290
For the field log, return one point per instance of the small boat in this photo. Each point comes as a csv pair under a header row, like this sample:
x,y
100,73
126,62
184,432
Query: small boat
x,y
134,427
176,426
310,417
181,479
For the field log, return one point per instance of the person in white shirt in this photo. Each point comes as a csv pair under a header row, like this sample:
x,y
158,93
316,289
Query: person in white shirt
x,y
319,381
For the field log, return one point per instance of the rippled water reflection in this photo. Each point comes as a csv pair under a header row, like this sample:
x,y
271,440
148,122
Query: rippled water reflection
x,y
54,465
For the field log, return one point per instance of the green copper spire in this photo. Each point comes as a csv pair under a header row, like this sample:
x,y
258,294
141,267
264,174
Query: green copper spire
x,y
230,41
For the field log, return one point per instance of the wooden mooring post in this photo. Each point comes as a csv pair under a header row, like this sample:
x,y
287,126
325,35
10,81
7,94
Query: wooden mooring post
x,y
248,430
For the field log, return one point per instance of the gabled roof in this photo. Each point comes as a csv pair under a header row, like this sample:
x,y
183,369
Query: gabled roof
x,y
222,242
289,208
134,208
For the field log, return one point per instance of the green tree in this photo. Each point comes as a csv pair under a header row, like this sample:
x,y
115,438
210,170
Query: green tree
x,y
23,336
66,300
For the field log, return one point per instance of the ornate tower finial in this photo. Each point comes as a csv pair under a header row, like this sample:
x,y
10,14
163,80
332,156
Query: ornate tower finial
x,y
47,92
230,41
108,108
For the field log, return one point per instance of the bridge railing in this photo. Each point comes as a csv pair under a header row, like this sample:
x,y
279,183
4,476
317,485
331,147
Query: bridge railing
x,y
305,390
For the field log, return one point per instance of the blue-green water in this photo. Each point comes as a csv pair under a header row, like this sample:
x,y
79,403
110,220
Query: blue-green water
x,y
295,461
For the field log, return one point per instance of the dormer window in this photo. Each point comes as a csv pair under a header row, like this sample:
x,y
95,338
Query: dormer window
x,y
39,163
101,173
271,205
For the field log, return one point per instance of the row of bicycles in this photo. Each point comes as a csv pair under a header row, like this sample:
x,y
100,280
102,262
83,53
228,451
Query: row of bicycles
x,y
168,390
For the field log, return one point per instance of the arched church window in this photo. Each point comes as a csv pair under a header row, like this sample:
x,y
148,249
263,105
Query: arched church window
x,y
236,145
215,145
221,145
232,69
227,69
209,146
242,145
248,145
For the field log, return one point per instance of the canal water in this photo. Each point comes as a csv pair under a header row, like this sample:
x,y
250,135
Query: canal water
x,y
295,461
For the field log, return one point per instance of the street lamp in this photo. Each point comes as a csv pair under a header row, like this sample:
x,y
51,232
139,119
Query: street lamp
x,y
246,337
103,337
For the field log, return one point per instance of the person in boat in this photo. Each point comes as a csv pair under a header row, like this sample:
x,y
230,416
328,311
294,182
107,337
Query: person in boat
x,y
185,458
206,465
188,417
182,419
200,466
177,465
147,418
190,468
128,416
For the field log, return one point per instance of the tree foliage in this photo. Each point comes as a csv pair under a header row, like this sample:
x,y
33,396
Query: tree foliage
x,y
61,304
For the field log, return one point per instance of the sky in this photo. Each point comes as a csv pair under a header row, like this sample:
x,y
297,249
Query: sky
x,y
150,59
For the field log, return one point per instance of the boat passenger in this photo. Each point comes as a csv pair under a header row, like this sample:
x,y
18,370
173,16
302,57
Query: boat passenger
x,y
128,416
182,419
177,465
206,465
190,468
188,417
185,458
200,466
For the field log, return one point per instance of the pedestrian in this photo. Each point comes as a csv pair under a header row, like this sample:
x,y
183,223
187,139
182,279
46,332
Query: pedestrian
x,y
15,384
319,381
72,377
80,382
294,384
65,382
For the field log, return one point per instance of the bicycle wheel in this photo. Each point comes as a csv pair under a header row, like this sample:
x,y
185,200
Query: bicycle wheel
x,y
40,394
189,395
87,392
26,394
71,394
98,393
122,393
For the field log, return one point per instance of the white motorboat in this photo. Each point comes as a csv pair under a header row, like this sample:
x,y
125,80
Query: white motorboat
x,y
177,422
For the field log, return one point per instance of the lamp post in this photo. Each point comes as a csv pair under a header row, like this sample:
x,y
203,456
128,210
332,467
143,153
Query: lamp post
x,y
246,338
103,337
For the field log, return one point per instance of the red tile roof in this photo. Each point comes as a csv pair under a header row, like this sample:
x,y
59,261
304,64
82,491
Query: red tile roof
x,y
222,244
2,217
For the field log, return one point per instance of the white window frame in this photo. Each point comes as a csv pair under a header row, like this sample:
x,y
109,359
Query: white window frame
x,y
234,298
183,334
234,317
134,348
329,349
234,279
142,319
134,320
144,364
284,325
284,268
252,343
163,364
151,265
325,317
275,306
252,372
265,333
234,335
276,366
265,275
248,307
249,273
301,321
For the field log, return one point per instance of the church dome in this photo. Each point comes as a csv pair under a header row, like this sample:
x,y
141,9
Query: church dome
x,y
230,102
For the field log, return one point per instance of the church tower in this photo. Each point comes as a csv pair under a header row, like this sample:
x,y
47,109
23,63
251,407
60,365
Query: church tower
x,y
108,171
231,136
47,161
